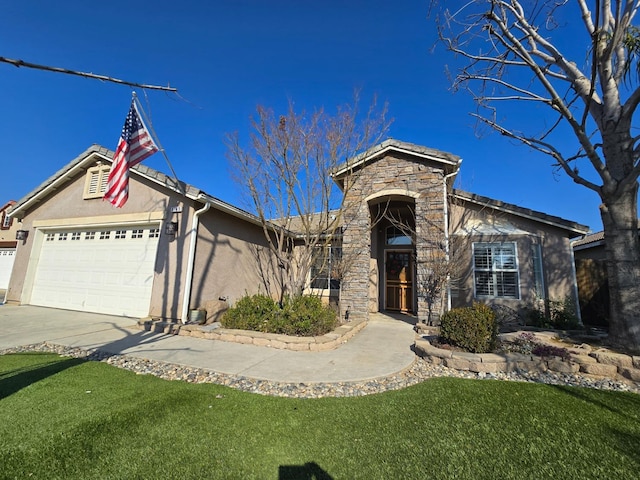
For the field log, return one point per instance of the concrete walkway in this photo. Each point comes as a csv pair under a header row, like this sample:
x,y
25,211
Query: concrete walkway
x,y
382,348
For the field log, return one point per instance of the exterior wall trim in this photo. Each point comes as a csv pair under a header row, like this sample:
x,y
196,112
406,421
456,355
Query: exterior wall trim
x,y
392,192
124,219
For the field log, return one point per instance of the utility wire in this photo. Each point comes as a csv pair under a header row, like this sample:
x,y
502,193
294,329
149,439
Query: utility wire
x,y
22,63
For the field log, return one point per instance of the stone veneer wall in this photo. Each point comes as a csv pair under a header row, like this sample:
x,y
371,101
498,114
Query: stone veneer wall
x,y
429,241
421,181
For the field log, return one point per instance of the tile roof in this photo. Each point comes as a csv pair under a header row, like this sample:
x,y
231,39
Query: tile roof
x,y
588,239
69,170
10,203
593,239
398,146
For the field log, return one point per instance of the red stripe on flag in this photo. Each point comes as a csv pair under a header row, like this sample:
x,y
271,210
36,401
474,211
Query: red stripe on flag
x,y
134,146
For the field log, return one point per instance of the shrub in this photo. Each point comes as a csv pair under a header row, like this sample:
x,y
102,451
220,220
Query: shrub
x,y
250,313
300,315
523,343
526,343
556,314
551,351
474,329
536,317
563,314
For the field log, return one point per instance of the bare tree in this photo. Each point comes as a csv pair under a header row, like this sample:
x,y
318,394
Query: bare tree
x,y
286,172
512,53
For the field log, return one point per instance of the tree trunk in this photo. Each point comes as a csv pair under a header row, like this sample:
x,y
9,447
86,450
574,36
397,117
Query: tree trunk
x,y
620,219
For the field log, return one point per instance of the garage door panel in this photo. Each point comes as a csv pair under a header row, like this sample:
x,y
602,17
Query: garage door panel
x,y
94,271
7,257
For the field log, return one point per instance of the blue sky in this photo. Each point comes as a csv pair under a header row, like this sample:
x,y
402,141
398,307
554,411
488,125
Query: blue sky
x,y
225,57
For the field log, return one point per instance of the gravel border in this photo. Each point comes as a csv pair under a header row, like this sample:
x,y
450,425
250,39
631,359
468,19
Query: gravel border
x,y
419,371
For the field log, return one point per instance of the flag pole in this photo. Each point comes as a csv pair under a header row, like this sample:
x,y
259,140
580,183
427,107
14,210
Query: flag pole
x,y
157,141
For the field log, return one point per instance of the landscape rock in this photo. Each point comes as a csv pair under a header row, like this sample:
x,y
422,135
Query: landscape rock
x,y
611,358
421,370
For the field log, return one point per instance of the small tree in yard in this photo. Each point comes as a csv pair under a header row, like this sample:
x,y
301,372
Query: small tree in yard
x,y
512,53
286,172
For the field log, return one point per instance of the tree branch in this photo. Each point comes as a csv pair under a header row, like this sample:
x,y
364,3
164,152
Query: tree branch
x,y
543,147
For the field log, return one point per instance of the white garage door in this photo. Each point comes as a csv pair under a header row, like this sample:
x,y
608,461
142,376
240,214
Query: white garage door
x,y
97,270
7,256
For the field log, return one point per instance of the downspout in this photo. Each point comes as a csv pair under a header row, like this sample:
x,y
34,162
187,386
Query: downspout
x,y
446,228
192,256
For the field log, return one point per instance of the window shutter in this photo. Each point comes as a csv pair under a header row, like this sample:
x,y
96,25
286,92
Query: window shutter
x,y
96,181
104,180
94,177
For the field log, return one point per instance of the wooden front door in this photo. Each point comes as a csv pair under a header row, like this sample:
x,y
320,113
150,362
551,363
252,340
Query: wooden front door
x,y
399,281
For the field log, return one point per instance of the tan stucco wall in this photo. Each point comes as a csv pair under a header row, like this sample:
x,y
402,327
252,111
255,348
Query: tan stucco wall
x,y
596,252
557,260
145,198
226,264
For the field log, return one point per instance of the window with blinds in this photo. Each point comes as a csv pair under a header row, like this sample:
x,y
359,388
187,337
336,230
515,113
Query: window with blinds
x,y
96,181
495,270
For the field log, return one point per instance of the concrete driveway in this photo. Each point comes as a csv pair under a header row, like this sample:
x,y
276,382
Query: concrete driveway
x,y
382,348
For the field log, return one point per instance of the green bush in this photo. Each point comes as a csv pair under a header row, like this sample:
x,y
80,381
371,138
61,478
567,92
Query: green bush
x,y
474,329
563,314
304,316
556,314
250,313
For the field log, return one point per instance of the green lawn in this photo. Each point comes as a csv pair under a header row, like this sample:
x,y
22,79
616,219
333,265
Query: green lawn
x,y
65,418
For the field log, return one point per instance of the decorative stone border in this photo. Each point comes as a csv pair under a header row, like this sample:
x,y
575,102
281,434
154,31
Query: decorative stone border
x,y
321,343
600,362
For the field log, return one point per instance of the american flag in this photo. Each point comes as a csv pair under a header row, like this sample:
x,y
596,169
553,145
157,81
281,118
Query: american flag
x,y
134,146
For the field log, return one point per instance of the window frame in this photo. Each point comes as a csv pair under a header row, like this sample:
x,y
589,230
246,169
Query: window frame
x,y
331,283
7,221
495,271
396,241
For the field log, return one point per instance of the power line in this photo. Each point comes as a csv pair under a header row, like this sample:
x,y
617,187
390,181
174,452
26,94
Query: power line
x,y
22,63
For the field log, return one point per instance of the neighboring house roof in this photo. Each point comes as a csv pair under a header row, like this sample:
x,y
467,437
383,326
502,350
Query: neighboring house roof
x,y
97,152
10,203
450,160
572,228
592,240
589,241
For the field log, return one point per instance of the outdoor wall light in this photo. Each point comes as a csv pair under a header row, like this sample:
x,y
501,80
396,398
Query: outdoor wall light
x,y
171,228
22,234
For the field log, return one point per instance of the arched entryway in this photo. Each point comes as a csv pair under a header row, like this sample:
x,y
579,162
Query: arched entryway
x,y
393,275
